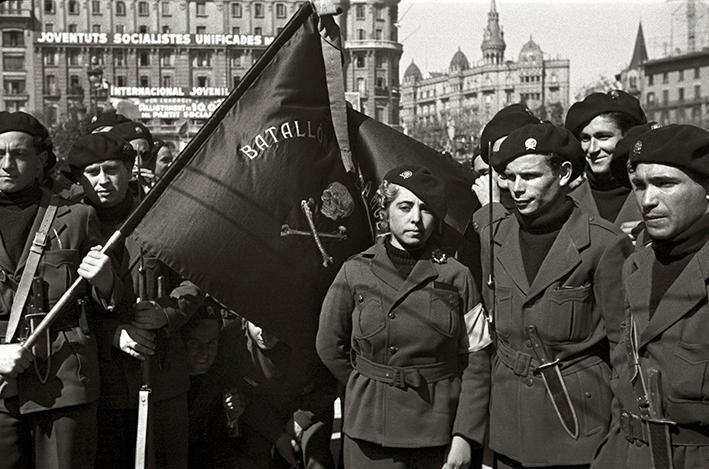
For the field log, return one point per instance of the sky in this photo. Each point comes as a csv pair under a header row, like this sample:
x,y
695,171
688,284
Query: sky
x,y
596,35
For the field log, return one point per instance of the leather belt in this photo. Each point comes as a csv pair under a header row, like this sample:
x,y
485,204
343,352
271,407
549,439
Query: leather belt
x,y
401,377
637,432
522,364
69,319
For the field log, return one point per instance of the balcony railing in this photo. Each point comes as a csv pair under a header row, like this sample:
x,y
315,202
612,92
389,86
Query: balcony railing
x,y
75,91
373,44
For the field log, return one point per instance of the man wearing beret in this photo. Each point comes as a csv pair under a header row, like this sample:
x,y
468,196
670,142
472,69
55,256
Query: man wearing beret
x,y
47,394
556,307
148,330
599,122
660,377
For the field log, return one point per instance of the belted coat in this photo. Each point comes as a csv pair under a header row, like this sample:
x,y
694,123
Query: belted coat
x,y
576,305
432,319
673,341
72,367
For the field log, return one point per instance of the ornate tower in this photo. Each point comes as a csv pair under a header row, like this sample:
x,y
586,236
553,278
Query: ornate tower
x,y
493,45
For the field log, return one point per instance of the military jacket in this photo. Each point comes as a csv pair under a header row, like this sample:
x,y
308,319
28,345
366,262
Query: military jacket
x,y
72,367
577,307
674,341
583,196
434,316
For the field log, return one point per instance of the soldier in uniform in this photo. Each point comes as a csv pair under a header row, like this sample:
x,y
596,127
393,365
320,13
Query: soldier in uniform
x,y
146,331
599,123
556,306
47,394
403,329
660,376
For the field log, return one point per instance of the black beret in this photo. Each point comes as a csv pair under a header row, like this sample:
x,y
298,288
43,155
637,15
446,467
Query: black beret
x,y
106,121
619,162
502,124
540,139
94,148
131,130
19,121
583,112
424,184
683,146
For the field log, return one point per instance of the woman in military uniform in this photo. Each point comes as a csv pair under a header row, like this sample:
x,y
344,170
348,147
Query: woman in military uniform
x,y
402,327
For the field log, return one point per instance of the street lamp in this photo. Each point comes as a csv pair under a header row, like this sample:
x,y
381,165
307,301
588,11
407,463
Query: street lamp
x,y
96,85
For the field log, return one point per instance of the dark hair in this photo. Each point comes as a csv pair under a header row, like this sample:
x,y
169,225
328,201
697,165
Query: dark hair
x,y
621,120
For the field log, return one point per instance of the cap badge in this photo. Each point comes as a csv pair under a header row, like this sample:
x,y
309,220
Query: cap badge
x,y
530,144
614,94
637,147
406,174
138,129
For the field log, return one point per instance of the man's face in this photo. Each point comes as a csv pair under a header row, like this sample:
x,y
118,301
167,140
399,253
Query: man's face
x,y
106,182
264,340
670,201
163,161
202,343
598,141
411,222
20,164
533,184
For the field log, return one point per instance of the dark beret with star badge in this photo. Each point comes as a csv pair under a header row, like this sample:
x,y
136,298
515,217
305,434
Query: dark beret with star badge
x,y
683,146
502,124
583,112
427,187
95,148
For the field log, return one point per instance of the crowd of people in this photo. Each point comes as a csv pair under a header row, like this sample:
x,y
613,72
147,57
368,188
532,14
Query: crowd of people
x,y
580,341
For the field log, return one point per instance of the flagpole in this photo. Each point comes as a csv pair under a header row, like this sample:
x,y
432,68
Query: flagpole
x,y
185,156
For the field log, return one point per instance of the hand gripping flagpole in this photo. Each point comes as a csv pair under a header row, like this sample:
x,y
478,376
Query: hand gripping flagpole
x,y
116,240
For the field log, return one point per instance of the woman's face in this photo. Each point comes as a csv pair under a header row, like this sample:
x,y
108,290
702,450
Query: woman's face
x,y
411,222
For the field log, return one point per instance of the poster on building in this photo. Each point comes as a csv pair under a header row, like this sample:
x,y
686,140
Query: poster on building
x,y
170,103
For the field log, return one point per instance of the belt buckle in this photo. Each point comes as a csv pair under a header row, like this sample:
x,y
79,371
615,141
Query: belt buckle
x,y
396,378
522,362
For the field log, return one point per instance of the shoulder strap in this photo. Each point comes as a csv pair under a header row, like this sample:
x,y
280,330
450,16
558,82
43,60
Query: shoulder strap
x,y
39,243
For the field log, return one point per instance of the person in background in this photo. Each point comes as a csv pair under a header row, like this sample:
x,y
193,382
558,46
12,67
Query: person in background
x,y
163,157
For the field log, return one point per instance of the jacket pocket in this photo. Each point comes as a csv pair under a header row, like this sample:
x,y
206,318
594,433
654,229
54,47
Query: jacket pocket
x,y
504,323
689,380
568,314
592,399
369,315
444,311
58,268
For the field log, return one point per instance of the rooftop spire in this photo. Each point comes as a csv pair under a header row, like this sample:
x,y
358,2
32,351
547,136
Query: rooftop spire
x,y
493,46
640,51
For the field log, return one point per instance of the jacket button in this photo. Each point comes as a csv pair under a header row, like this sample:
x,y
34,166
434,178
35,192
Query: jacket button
x,y
529,382
393,349
360,298
528,343
587,394
392,315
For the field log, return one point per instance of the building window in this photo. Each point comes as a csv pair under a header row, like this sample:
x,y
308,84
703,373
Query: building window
x,y
166,29
361,86
279,30
121,28
74,85
258,10
144,81
144,58
650,79
72,28
378,34
680,94
143,9
167,59
650,98
697,74
359,12
73,57
235,80
379,12
95,7
236,10
235,30
120,80
49,27
143,29
258,31
166,9
697,91
203,59
697,115
665,78
50,57
280,10
120,8
96,28
202,81
119,57
50,85
201,30
201,9
14,87
13,39
681,75
359,61
361,34
73,7
49,6
665,96
166,81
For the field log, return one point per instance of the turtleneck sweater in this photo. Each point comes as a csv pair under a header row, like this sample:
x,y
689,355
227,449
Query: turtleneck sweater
x,y
17,214
609,195
538,233
403,260
673,255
